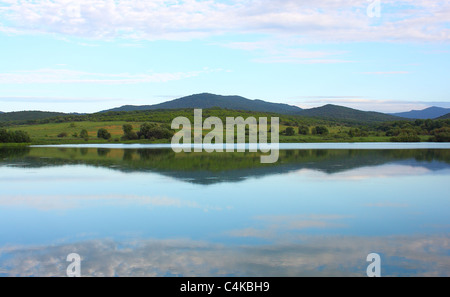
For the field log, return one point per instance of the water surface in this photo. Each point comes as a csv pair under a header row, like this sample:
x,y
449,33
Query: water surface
x,y
141,211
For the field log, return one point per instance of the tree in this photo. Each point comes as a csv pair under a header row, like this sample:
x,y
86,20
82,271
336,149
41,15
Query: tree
x,y
289,131
5,136
62,135
441,135
405,138
84,134
103,134
153,131
128,133
303,130
14,136
320,130
357,133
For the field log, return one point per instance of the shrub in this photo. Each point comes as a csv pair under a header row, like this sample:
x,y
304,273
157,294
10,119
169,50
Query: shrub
x,y
84,134
289,131
103,134
406,138
153,131
14,136
303,130
357,133
320,130
128,133
441,135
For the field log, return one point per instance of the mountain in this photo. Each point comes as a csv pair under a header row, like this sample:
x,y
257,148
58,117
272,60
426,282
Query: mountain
x,y
28,115
207,100
428,113
445,117
336,112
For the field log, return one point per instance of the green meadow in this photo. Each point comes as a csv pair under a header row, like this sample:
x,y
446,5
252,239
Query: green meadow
x,y
49,133
293,129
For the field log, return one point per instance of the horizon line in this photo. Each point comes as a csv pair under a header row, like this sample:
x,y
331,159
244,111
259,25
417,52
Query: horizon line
x,y
374,103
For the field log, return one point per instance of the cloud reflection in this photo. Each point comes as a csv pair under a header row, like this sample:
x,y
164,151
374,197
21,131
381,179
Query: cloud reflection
x,y
364,173
279,226
65,202
419,255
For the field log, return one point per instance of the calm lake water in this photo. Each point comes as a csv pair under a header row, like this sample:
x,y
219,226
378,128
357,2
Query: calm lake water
x,y
146,211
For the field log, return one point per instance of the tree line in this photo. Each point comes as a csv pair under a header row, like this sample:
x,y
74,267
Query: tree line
x,y
14,136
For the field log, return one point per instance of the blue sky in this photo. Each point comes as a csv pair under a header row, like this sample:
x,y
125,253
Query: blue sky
x,y
91,55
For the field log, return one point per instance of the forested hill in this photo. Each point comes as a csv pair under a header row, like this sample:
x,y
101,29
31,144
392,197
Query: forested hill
x,y
445,117
28,115
428,113
335,112
206,100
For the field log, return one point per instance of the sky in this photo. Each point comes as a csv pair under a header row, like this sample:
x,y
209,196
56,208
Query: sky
x,y
92,55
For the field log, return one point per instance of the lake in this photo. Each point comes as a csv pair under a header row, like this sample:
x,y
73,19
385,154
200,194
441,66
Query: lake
x,y
145,211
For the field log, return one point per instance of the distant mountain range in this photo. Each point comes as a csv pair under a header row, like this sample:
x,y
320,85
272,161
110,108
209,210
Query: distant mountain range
x,y
428,113
206,100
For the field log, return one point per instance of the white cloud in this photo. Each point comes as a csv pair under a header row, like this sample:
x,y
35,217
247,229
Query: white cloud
x,y
279,50
369,172
46,76
325,20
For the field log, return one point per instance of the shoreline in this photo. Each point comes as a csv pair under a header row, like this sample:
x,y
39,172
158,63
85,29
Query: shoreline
x,y
281,146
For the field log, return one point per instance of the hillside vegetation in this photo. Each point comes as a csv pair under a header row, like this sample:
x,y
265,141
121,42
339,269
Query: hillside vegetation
x,y
428,113
206,101
154,126
445,117
23,116
346,115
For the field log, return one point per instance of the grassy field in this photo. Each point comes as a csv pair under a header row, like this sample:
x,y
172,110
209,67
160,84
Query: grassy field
x,y
46,131
48,134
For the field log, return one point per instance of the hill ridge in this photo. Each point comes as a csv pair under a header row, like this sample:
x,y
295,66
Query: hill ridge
x,y
432,112
337,112
208,100
444,117
28,115
233,102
